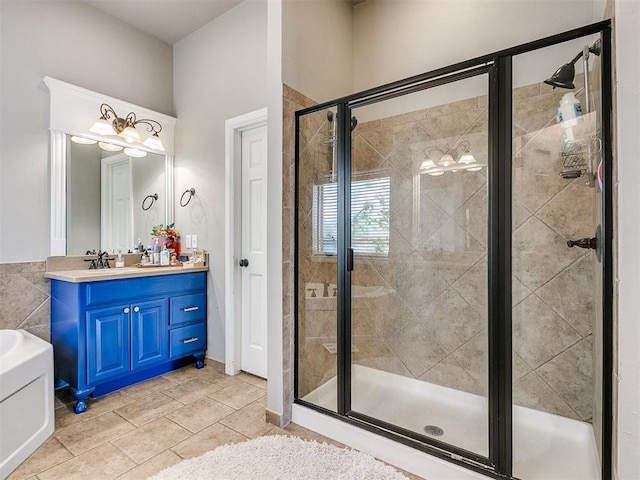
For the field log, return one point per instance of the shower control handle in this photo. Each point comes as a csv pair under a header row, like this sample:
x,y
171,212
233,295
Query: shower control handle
x,y
583,243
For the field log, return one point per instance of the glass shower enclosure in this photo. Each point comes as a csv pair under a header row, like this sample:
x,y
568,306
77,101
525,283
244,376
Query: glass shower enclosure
x,y
442,294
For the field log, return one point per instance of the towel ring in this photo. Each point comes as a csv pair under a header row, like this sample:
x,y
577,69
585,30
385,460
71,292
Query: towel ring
x,y
191,192
151,198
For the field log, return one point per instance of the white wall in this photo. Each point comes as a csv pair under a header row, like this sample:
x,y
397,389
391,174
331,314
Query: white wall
x,y
397,39
627,40
220,72
77,43
317,48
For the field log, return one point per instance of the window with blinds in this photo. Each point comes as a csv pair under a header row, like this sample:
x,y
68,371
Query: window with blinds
x,y
369,217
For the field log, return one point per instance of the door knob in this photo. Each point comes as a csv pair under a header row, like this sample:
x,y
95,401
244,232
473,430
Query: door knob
x,y
126,310
136,309
244,262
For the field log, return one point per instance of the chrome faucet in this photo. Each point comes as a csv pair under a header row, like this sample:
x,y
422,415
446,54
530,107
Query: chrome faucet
x,y
325,291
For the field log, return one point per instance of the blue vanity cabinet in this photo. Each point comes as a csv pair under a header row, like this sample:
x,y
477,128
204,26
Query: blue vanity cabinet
x,y
107,343
109,334
149,334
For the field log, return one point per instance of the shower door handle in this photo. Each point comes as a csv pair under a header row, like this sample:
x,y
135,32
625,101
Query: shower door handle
x,y
583,243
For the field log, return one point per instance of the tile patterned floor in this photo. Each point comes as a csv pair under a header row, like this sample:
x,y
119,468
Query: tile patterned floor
x,y
137,431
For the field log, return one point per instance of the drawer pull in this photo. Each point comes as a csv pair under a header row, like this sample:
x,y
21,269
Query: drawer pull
x,y
190,309
190,340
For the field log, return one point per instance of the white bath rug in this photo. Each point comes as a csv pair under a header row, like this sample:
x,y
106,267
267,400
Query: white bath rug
x,y
280,457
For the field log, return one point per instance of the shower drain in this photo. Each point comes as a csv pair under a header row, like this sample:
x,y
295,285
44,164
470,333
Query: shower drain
x,y
433,430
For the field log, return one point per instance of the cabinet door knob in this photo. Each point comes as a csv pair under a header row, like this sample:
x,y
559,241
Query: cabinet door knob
x,y
136,309
244,262
126,310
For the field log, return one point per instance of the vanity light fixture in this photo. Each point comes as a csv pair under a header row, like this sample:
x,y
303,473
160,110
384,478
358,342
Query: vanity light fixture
x,y
110,123
454,160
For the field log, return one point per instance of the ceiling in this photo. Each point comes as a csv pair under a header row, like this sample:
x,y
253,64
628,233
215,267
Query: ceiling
x,y
168,20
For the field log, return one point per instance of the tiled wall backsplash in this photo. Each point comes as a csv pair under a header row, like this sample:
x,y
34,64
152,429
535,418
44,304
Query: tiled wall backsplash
x,y
432,326
25,298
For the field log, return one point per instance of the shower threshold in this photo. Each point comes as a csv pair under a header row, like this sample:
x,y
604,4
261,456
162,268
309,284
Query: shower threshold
x,y
545,446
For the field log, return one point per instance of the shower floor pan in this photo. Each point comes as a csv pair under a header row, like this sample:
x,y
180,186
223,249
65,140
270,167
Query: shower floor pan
x,y
545,446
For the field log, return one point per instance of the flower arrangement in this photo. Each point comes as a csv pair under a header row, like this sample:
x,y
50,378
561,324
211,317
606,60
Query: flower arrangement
x,y
161,231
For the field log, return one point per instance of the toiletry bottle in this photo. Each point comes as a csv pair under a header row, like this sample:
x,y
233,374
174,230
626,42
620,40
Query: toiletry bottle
x,y
156,251
119,260
140,246
164,256
569,110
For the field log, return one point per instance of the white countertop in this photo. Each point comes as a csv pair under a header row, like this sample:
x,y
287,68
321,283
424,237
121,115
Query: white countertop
x,y
81,276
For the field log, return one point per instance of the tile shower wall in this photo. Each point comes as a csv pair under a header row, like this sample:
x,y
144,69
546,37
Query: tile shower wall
x,y
438,331
24,298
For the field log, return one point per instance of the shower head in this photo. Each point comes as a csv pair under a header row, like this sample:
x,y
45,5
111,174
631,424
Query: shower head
x,y
563,77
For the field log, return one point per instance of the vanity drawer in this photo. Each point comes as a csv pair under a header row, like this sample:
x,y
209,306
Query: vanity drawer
x,y
188,308
189,339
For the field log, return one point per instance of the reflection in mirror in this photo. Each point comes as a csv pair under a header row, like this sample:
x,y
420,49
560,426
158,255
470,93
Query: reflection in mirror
x,y
104,197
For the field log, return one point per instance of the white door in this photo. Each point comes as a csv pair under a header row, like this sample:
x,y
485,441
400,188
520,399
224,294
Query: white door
x,y
253,252
116,204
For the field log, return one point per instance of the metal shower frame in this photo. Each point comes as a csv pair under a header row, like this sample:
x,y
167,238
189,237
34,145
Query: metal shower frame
x,y
498,65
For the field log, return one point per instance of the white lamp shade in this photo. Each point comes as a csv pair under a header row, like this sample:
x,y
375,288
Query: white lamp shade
x,y
154,143
474,167
109,147
435,171
446,160
102,127
130,134
467,158
426,164
83,140
134,152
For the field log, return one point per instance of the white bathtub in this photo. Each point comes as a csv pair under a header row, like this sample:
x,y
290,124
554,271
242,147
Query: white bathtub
x,y
26,396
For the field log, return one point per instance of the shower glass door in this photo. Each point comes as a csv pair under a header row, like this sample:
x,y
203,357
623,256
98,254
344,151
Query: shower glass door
x,y
418,233
557,288
316,210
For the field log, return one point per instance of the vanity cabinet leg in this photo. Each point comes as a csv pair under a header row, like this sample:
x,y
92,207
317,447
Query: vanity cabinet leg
x,y
199,359
80,395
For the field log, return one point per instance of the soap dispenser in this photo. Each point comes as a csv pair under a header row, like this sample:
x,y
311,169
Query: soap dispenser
x,y
119,260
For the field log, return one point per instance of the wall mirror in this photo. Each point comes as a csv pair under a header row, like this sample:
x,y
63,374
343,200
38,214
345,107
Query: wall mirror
x,y
96,198
112,199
